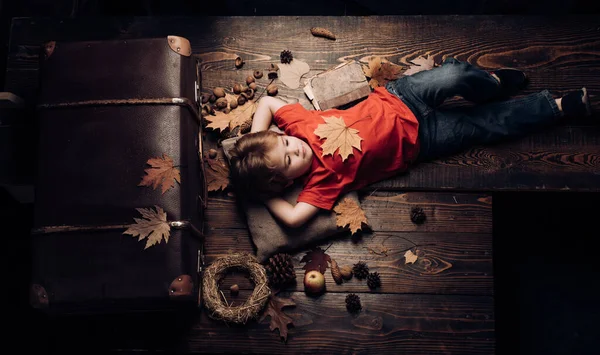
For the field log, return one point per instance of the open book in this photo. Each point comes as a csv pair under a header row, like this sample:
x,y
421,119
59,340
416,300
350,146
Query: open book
x,y
341,86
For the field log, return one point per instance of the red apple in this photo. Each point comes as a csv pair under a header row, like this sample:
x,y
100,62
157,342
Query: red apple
x,y
314,282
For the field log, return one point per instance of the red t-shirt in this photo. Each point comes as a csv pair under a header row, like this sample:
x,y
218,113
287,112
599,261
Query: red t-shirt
x,y
390,141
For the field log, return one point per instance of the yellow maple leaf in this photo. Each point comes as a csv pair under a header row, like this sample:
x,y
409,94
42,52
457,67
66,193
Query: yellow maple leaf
x,y
221,120
349,213
338,135
242,114
217,174
153,226
410,257
161,171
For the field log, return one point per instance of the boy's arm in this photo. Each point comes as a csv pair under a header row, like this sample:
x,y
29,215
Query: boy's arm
x,y
266,108
292,216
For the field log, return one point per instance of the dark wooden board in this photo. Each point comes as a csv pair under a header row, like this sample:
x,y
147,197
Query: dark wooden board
x,y
562,55
390,211
388,323
448,263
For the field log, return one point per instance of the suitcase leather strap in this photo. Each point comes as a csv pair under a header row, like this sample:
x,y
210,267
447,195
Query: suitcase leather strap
x,y
180,101
98,228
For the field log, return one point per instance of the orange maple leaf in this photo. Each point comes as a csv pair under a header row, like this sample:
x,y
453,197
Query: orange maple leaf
x,y
380,71
217,174
153,226
338,135
349,213
161,171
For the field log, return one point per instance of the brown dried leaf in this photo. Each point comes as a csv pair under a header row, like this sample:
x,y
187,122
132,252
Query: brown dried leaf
x,y
162,172
380,71
350,214
290,74
410,257
338,135
217,174
279,320
155,226
420,64
316,259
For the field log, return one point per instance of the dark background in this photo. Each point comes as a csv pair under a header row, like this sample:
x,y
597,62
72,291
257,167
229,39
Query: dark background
x,y
544,251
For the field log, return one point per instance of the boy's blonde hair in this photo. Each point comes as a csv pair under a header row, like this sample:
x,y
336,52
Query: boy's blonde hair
x,y
252,173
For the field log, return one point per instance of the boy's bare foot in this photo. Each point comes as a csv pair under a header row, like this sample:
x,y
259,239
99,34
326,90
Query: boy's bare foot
x,y
575,103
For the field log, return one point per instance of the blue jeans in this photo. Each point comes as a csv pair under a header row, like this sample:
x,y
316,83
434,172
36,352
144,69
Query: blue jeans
x,y
444,132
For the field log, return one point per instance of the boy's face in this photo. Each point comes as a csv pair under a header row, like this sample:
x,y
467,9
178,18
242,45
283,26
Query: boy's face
x,y
291,156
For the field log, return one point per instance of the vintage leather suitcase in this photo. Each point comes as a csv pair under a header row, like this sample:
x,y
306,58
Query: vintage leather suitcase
x,y
105,108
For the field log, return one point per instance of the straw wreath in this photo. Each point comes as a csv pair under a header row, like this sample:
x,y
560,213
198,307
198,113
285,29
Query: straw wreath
x,y
214,299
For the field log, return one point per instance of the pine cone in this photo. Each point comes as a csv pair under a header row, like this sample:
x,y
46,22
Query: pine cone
x,y
280,270
417,215
353,303
286,56
361,270
373,280
335,272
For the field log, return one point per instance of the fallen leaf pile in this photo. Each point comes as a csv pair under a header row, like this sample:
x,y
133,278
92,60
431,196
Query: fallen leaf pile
x,y
279,320
153,226
290,74
338,136
349,213
217,173
316,259
162,172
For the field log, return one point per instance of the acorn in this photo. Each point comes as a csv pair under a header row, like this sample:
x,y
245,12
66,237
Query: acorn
x,y
252,86
346,272
249,79
205,111
258,74
212,98
241,100
272,90
233,104
226,110
221,102
219,92
212,153
273,71
234,289
239,62
249,94
205,97
237,88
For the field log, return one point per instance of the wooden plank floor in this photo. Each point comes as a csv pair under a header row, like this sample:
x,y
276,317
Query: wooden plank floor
x,y
442,304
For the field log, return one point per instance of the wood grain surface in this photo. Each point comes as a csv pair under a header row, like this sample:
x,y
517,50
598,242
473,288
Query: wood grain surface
x,y
444,302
